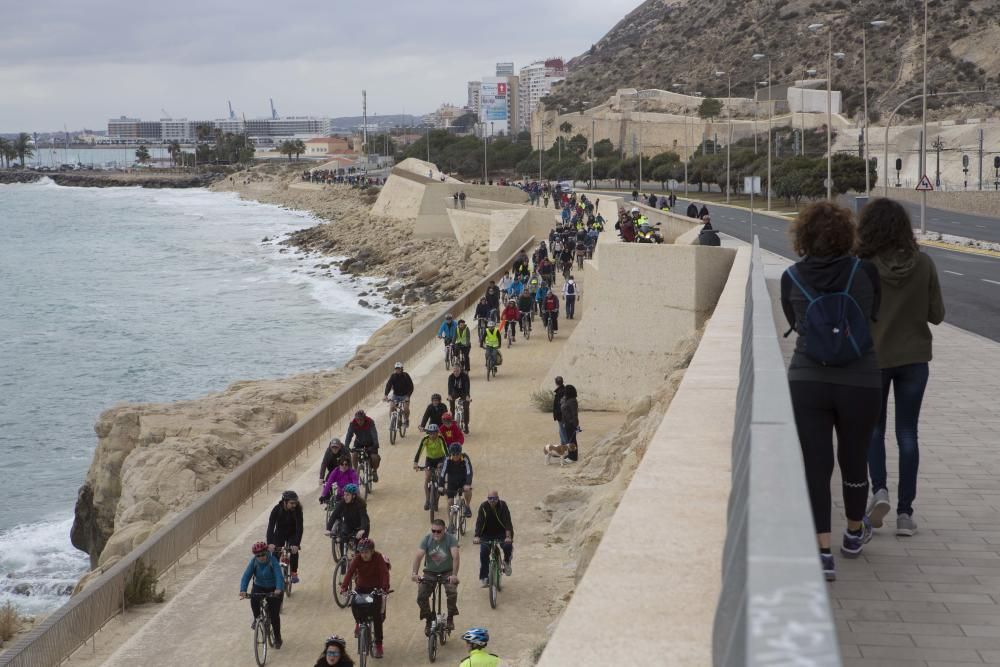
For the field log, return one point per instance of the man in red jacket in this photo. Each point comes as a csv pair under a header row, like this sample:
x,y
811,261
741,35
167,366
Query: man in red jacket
x,y
372,571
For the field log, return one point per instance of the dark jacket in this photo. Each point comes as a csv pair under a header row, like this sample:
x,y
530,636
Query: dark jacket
x,y
353,516
557,403
570,416
284,526
433,414
458,386
330,461
400,384
493,296
825,275
911,297
343,662
492,523
692,210
366,434
703,211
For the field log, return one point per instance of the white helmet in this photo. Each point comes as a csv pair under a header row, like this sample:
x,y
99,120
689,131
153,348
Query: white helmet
x,y
399,364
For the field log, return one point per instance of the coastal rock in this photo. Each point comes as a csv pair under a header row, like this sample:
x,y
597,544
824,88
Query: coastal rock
x,y
363,303
22,589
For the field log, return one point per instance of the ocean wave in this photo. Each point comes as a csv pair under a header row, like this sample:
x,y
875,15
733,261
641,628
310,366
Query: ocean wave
x,y
38,565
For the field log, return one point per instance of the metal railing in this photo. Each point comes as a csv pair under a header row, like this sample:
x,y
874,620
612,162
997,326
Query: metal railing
x,y
70,626
774,608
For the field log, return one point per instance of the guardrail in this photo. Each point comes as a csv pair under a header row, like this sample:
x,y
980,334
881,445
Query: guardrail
x,y
774,608
74,623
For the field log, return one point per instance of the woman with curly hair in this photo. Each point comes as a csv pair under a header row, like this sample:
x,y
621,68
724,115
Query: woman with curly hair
x,y
841,396
911,298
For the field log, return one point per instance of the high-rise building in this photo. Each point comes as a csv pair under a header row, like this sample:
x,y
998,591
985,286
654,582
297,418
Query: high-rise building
x,y
473,103
181,129
498,105
505,69
536,82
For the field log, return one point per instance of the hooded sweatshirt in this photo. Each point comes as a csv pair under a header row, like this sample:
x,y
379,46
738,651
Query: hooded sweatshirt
x,y
911,297
826,275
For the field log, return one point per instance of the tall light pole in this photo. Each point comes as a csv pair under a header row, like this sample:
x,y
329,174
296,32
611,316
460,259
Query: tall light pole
x,y
428,140
485,156
923,136
593,129
729,118
878,23
770,107
829,107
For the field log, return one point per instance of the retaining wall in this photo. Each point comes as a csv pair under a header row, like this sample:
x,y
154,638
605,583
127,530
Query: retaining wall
x,y
986,202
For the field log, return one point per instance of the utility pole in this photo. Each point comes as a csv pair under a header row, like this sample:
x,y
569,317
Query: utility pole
x,y
937,145
593,128
364,125
923,136
829,115
980,159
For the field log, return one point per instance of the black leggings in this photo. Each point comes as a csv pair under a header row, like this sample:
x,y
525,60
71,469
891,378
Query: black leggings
x,y
273,607
820,409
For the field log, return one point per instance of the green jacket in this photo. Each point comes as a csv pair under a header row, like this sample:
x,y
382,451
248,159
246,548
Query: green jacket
x,y
433,447
478,657
911,298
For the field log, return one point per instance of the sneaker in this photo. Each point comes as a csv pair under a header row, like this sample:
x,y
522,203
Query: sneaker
x,y
427,628
295,577
374,475
253,626
853,545
378,650
878,507
485,583
566,461
829,569
468,512
508,568
427,507
905,525
278,643
357,627
451,624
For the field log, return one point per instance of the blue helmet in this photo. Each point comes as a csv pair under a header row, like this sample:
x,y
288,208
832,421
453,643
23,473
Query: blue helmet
x,y
351,489
477,636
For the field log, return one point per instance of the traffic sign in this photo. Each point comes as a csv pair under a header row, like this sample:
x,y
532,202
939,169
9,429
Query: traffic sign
x,y
925,185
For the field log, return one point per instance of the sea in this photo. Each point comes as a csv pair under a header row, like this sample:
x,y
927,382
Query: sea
x,y
127,294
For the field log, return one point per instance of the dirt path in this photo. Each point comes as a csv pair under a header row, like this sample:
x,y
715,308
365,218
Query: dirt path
x,y
204,623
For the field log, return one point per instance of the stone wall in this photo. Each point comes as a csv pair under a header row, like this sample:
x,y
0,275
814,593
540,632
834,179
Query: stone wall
x,y
974,202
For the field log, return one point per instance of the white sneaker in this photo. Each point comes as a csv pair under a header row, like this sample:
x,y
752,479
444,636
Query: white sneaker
x,y
878,507
484,583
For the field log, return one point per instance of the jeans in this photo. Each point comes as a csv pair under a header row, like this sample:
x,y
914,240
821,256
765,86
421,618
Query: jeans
x,y
562,433
491,355
908,384
484,555
463,354
570,305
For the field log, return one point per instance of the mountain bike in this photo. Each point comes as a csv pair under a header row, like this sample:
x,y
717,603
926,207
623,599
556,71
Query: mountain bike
x,y
459,415
331,503
456,516
508,333
481,329
439,625
491,364
397,423
432,487
449,354
263,634
550,330
365,603
286,571
526,325
495,571
344,545
364,473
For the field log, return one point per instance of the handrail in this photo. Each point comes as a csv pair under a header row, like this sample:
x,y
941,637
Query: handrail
x,y
70,626
774,608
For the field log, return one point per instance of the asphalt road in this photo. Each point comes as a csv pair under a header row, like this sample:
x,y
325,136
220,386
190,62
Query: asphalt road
x,y
981,228
970,283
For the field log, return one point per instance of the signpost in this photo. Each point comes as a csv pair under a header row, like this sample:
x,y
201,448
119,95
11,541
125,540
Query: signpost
x,y
925,185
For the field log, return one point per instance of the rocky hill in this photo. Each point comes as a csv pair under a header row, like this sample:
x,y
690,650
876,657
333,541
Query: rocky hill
x,y
667,42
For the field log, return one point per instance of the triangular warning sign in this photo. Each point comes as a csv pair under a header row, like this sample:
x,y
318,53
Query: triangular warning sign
x,y
925,184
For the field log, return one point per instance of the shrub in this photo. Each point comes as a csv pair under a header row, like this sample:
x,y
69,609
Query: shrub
x,y
543,399
141,586
10,622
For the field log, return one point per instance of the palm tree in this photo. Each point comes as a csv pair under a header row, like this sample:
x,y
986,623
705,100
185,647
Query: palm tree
x,y
298,147
4,147
286,148
174,150
23,147
142,154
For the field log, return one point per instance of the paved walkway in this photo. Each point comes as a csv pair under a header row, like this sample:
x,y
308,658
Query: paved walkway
x,y
931,600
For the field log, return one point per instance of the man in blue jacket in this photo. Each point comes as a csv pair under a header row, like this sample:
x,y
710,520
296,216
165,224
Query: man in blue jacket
x,y
265,570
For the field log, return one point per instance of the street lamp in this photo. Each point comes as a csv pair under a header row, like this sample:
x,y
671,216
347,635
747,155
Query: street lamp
x,y
923,136
878,23
729,117
815,27
761,56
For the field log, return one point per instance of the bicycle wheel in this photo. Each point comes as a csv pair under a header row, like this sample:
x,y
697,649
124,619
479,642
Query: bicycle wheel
x,y
368,478
393,418
489,371
462,520
549,330
363,645
342,599
527,329
401,426
333,542
288,579
260,639
363,479
432,647
494,582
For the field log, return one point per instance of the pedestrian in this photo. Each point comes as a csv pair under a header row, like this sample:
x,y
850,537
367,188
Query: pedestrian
x,y
570,294
703,211
911,298
455,197
569,423
831,298
557,397
692,210
461,198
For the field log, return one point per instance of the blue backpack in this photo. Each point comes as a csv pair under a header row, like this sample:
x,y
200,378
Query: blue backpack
x,y
835,329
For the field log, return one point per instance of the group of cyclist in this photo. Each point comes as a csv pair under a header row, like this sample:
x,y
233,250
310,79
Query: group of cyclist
x,y
634,227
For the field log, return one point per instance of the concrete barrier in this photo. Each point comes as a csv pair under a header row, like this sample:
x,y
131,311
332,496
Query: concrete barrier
x,y
986,202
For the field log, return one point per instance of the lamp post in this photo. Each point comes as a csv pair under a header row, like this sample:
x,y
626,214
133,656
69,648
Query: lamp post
x,y
770,108
878,23
729,118
923,136
593,129
485,156
829,105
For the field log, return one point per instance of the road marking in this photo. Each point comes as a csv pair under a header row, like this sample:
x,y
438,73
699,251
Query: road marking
x,y
954,273
953,222
981,226
987,280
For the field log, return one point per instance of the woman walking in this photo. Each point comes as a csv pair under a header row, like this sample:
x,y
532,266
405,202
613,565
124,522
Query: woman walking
x,y
911,298
830,299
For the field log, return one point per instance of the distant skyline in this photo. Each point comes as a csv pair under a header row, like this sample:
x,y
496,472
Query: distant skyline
x,y
78,64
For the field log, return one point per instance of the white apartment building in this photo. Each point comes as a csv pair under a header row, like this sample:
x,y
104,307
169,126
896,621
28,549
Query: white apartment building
x,y
536,81
505,69
182,129
473,103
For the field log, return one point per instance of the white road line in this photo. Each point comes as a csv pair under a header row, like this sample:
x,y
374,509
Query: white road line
x,y
981,226
954,273
987,280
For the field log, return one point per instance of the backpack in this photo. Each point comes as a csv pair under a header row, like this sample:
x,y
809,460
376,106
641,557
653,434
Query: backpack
x,y
835,329
571,289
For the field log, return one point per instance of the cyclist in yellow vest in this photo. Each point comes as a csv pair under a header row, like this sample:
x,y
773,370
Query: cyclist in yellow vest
x,y
463,343
491,341
435,451
476,639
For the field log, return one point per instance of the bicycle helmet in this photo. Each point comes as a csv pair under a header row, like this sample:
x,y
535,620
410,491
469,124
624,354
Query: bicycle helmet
x,y
454,448
258,548
290,495
432,428
448,317
339,641
435,397
491,324
477,636
398,364
360,414
446,417
365,544
336,441
351,489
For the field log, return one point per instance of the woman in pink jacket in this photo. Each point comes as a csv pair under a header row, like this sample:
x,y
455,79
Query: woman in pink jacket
x,y
342,475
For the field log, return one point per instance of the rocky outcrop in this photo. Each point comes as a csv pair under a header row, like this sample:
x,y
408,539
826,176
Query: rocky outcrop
x,y
153,460
150,180
7,177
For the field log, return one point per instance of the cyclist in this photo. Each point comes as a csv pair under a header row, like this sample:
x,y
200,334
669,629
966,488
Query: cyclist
x,y
550,308
521,265
571,291
543,291
510,317
455,474
284,528
433,447
463,343
491,340
265,570
481,316
432,415
340,476
334,653
493,296
458,386
438,554
447,330
451,431
493,524
400,387
372,572
524,303
365,436
516,287
331,457
477,639
352,515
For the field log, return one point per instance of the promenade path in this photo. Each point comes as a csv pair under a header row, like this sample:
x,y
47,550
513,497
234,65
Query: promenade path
x,y
931,600
203,623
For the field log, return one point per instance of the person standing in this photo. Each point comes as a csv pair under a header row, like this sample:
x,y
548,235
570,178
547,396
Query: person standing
x,y
570,423
461,198
830,299
455,197
911,298
557,397
692,210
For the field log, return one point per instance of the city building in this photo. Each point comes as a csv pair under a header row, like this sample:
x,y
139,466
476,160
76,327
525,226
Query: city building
x,y
473,103
505,69
327,146
499,107
446,115
536,81
182,129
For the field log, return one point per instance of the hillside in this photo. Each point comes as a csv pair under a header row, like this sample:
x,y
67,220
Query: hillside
x,y
667,42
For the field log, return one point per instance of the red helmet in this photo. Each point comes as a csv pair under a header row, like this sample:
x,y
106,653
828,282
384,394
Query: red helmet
x,y
446,416
258,548
365,544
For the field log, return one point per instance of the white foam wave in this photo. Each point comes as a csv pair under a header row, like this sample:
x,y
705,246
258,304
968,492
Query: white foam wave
x,y
39,566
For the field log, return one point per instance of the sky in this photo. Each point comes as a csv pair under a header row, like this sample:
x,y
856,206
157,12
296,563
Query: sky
x,y
80,63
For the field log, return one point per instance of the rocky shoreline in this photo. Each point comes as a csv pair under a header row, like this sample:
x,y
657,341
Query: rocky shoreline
x,y
97,179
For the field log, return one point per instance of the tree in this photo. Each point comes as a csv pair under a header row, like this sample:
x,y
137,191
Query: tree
x,y
566,127
285,148
6,150
578,144
174,151
710,108
298,147
663,167
142,154
23,147
604,148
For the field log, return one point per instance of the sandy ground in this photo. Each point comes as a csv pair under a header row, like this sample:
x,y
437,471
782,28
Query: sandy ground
x,y
204,623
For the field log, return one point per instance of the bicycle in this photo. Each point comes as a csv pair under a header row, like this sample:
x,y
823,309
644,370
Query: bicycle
x,y
449,354
491,364
364,473
433,493
346,545
550,327
459,415
397,421
366,628
567,269
526,325
331,503
508,333
263,634
495,572
286,571
439,624
481,329
456,516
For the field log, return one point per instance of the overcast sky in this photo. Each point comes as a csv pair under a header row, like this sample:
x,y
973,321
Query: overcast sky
x,y
80,62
